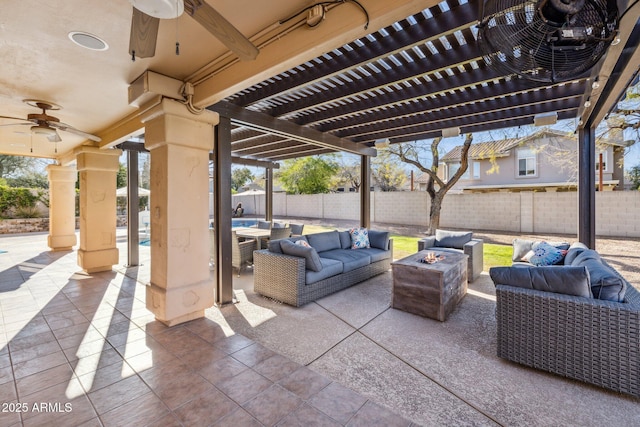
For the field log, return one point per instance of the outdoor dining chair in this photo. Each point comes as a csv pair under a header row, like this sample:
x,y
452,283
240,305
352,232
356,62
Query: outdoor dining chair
x,y
276,233
241,252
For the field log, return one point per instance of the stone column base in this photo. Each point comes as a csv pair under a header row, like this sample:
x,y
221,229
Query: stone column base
x,y
179,305
61,243
96,261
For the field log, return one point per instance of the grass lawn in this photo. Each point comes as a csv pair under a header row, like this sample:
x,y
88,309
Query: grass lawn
x,y
494,255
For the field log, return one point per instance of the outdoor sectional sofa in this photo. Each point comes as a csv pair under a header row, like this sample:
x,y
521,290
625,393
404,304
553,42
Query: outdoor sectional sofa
x,y
291,273
550,318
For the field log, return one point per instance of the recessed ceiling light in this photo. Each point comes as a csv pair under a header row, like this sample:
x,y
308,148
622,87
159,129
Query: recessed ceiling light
x,y
88,41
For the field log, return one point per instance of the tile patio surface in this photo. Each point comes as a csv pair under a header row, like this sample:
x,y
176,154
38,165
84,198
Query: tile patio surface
x,y
348,359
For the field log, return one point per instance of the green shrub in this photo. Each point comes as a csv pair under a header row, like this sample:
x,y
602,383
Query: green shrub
x,y
14,200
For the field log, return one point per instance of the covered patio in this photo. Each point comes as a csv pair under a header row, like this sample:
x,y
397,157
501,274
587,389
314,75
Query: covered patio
x,y
159,344
347,359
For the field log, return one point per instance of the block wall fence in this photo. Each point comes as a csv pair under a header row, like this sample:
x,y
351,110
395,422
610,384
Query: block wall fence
x,y
617,212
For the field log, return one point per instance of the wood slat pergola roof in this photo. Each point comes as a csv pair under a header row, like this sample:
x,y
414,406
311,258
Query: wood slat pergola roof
x,y
406,82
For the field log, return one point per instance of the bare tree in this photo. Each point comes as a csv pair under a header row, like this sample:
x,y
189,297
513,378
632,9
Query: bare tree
x,y
436,187
348,176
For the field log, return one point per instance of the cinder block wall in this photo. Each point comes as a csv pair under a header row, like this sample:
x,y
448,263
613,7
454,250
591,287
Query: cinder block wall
x,y
526,212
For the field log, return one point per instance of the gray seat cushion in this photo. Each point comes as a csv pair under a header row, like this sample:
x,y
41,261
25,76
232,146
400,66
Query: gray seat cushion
x,y
451,250
376,254
350,258
559,279
330,267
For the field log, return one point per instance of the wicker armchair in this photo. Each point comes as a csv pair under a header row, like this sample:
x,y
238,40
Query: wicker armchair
x,y
296,229
241,252
586,339
276,233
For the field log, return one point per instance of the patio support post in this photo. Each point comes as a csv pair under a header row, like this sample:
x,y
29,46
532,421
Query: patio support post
x,y
365,193
268,194
133,240
98,169
587,186
179,142
62,207
222,211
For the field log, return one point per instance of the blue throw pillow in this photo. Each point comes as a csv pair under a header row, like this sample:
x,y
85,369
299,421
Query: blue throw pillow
x,y
359,238
545,254
312,259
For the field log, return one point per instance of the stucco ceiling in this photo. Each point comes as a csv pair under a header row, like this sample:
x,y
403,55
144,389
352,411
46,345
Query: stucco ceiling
x,y
40,61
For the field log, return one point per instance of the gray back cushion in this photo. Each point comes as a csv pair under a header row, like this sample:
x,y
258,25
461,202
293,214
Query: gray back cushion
x,y
606,282
452,239
274,245
324,241
345,239
379,239
264,225
574,250
558,279
312,260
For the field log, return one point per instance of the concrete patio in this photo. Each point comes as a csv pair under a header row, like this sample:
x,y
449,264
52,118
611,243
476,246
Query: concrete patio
x,y
347,359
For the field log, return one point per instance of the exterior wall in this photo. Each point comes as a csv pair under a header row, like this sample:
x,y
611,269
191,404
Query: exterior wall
x,y
549,213
478,211
525,212
404,207
549,169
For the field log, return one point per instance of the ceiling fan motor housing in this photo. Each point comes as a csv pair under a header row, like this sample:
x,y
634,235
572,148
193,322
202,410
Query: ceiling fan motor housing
x,y
546,40
558,12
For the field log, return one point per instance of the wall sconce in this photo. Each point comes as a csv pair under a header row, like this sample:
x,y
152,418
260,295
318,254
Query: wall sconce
x,y
382,143
545,119
448,132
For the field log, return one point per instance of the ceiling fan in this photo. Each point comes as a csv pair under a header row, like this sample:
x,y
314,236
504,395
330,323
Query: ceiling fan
x,y
547,40
46,125
147,15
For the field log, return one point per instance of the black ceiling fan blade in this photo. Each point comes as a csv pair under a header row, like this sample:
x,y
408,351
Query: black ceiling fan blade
x,y
222,29
144,32
71,129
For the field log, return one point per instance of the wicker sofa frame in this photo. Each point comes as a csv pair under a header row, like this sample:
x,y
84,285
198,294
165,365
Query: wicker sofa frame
x,y
282,277
590,340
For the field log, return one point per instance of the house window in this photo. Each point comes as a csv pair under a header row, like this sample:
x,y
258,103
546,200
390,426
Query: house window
x,y
604,161
474,167
526,162
452,169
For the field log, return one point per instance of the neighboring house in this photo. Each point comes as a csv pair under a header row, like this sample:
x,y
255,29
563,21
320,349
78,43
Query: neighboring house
x,y
544,161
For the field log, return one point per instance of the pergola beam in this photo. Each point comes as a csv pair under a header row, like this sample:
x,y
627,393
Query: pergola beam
x,y
269,124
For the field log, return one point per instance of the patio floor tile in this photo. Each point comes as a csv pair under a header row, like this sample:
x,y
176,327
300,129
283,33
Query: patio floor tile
x,y
338,402
244,386
205,409
272,405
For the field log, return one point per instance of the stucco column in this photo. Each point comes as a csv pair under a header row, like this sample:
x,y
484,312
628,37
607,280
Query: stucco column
x,y
98,169
62,207
179,143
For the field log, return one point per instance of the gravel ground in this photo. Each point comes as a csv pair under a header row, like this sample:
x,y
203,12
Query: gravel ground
x,y
622,253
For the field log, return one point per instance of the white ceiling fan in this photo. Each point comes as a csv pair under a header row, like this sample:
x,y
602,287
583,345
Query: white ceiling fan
x,y
147,15
46,125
